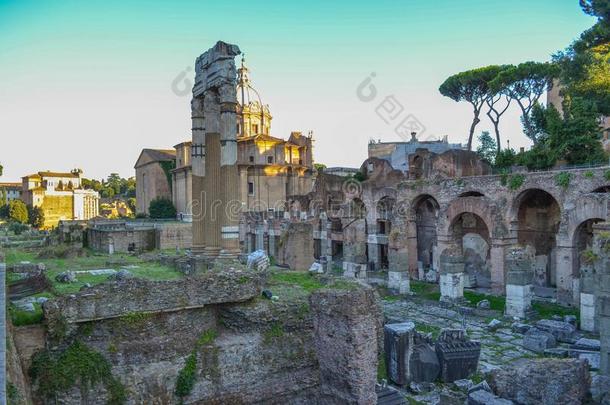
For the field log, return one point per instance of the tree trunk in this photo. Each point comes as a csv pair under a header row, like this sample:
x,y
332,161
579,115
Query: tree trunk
x,y
475,122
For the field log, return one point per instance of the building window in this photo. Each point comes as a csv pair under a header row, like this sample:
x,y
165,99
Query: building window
x,y
270,159
251,159
255,128
250,188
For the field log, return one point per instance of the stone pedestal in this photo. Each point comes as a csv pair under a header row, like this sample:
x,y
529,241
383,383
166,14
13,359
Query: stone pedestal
x,y
452,275
399,281
587,312
519,301
519,288
354,270
604,334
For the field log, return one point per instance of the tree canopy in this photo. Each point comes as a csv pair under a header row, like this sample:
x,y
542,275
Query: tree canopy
x,y
18,211
161,208
471,86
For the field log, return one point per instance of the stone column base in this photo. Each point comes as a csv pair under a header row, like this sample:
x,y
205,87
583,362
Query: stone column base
x,y
354,270
587,312
519,301
399,280
452,287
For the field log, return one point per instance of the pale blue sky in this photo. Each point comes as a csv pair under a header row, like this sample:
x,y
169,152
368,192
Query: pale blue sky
x,y
89,83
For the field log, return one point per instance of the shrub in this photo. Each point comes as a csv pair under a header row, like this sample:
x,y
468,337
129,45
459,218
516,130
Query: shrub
x,y
17,228
563,179
162,208
186,376
18,211
588,174
36,217
516,181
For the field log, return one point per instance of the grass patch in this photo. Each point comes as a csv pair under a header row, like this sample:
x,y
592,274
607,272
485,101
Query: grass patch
x,y
78,364
276,331
495,303
20,317
547,310
302,279
382,371
427,328
425,290
207,337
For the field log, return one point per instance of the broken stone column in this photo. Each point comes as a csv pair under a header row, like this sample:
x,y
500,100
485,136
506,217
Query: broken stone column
x,y
354,249
398,273
452,275
346,330
519,288
214,153
587,298
601,243
229,178
408,356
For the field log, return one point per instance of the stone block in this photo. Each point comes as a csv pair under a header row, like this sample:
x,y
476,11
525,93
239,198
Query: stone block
x,y
600,389
452,286
423,364
518,300
587,312
587,344
542,381
482,397
457,356
538,340
399,281
347,325
562,331
398,349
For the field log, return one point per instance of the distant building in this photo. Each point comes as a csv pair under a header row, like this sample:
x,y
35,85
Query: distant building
x,y
270,169
153,177
12,191
60,196
398,154
182,181
341,171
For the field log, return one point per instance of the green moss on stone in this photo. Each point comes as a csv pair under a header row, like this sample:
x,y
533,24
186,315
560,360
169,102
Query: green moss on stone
x,y
56,373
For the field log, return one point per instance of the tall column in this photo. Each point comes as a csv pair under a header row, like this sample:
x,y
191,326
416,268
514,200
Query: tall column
x,y
198,173
215,152
228,171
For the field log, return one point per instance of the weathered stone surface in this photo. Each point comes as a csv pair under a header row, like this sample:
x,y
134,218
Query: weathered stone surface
x,y
600,389
66,277
587,344
347,329
483,397
423,364
114,299
398,348
519,327
463,385
538,340
542,381
258,260
457,356
562,331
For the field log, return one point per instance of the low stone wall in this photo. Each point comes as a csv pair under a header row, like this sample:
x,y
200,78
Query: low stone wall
x,y
117,298
174,235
